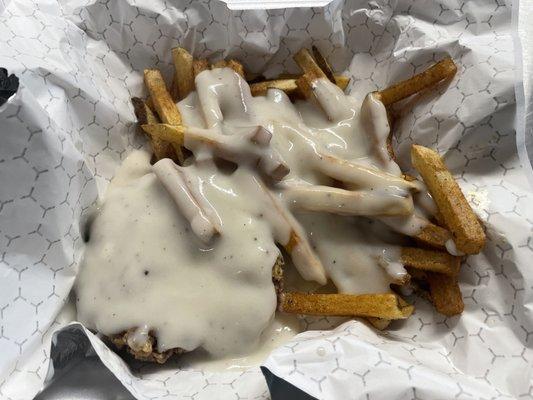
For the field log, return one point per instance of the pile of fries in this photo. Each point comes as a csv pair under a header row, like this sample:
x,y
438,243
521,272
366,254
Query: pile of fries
x,y
433,272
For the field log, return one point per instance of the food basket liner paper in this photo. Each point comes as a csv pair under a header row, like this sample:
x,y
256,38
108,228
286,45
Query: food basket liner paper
x,y
71,123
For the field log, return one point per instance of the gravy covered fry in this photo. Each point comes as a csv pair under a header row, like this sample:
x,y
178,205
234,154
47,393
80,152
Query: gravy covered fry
x,y
386,306
464,225
289,86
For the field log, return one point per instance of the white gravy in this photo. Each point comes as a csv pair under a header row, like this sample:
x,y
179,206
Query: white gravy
x,y
186,253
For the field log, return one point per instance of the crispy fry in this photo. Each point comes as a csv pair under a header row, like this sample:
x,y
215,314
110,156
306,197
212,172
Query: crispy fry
x,y
289,86
323,64
199,66
342,81
379,323
145,115
183,73
466,230
386,305
236,66
433,236
306,62
445,293
165,107
444,69
219,64
430,260
345,202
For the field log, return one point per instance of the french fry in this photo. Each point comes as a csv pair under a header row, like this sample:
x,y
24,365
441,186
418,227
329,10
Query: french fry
x,y
289,86
199,66
268,160
169,174
303,256
342,81
219,64
183,73
379,323
359,174
430,260
306,62
445,293
444,69
323,64
320,198
386,305
236,66
466,230
433,236
145,115
165,107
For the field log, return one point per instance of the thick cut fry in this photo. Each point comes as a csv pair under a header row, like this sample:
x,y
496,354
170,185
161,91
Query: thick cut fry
x,y
444,69
323,64
145,115
430,260
183,73
466,230
433,236
169,174
379,323
358,174
342,81
224,146
386,305
236,66
306,62
445,293
289,85
164,105
219,64
199,66
346,202
303,256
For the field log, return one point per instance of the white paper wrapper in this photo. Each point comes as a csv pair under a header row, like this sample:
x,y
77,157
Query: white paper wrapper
x,y
71,123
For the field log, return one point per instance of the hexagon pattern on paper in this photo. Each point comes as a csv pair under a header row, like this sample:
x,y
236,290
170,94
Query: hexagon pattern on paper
x,y
71,123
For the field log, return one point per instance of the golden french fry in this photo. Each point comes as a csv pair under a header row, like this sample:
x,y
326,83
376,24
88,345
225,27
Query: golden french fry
x,y
445,293
433,236
306,62
219,64
145,115
289,86
163,103
236,66
170,133
199,66
379,323
463,224
183,73
342,81
386,305
442,70
323,64
430,260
